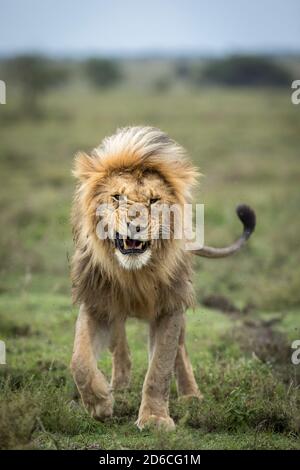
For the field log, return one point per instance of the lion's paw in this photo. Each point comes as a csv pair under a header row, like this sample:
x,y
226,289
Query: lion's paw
x,y
99,408
191,398
162,422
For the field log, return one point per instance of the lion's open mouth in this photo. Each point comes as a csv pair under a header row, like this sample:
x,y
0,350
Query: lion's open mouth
x,y
129,246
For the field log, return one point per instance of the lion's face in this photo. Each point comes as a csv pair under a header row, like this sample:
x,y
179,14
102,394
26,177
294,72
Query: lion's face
x,y
129,216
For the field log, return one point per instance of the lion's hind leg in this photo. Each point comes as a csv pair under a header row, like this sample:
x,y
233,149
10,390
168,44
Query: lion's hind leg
x,y
121,362
185,379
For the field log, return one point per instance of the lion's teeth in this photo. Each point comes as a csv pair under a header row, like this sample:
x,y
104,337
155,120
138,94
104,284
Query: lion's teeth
x,y
128,244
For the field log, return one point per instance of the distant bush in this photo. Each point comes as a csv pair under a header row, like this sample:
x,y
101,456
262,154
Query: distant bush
x,y
35,75
162,85
183,70
103,72
243,71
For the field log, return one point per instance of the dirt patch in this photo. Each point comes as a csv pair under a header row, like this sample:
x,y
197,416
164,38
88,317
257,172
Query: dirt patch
x,y
222,303
261,339
255,336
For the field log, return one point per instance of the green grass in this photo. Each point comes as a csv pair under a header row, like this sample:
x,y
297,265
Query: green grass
x,y
247,145
246,405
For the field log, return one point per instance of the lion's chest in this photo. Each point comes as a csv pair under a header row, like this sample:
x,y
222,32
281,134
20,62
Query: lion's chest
x,y
137,299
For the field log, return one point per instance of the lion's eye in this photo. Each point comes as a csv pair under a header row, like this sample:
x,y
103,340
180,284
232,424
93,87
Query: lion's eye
x,y
116,197
154,200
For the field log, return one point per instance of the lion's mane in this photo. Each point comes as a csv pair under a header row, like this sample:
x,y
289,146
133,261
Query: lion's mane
x,y
98,280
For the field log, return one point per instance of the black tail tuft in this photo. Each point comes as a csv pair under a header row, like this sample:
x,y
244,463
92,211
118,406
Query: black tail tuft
x,y
247,217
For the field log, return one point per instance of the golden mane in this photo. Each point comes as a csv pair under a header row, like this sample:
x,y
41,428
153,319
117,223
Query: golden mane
x,y
94,269
145,148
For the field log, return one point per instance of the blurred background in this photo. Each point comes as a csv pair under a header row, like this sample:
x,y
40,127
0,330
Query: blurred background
x,y
217,77
214,75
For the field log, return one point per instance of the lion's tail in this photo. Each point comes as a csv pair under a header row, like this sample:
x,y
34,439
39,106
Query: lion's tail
x,y
248,219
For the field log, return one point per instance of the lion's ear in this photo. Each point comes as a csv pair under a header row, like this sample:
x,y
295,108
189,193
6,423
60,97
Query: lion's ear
x,y
84,166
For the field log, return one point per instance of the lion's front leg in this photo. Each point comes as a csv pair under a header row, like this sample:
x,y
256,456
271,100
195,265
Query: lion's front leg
x,y
91,336
154,408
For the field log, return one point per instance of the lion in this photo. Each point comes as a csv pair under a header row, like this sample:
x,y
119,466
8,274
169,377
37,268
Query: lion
x,y
128,274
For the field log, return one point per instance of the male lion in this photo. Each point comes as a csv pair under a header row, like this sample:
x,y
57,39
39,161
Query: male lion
x,y
123,276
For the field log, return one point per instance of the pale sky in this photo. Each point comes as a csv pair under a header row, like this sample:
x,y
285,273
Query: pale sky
x,y
133,26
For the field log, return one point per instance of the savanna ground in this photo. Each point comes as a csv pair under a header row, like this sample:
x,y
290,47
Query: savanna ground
x,y
247,145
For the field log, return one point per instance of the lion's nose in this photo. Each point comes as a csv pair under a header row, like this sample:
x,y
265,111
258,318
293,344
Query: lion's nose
x,y
137,228
133,228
